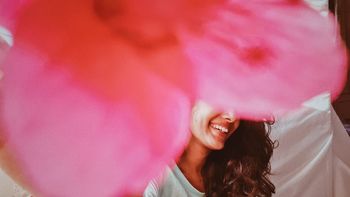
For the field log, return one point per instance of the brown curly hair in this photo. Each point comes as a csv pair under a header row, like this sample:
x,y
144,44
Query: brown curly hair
x,y
242,167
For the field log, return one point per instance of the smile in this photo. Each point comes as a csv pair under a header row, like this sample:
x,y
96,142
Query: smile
x,y
219,128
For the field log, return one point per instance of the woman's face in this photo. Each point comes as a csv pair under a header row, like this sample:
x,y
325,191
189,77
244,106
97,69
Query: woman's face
x,y
210,127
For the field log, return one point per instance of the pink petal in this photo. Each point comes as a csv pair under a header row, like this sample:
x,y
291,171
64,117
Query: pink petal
x,y
71,142
90,47
259,58
84,114
9,10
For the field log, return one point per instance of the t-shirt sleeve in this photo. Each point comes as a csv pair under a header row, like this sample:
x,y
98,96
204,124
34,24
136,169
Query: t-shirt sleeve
x,y
152,189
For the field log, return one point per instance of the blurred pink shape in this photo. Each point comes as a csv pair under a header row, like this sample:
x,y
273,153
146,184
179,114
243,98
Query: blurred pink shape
x,y
85,116
9,12
73,143
97,93
260,57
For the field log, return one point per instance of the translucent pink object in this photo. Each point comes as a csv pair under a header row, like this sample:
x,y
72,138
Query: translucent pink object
x,y
97,93
261,57
9,10
71,142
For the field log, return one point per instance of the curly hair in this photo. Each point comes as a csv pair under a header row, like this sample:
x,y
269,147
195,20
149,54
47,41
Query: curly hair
x,y
242,167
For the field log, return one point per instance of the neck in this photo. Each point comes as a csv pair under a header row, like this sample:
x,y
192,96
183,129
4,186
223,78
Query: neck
x,y
194,156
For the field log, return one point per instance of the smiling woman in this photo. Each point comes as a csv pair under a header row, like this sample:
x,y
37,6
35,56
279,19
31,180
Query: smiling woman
x,y
224,157
211,128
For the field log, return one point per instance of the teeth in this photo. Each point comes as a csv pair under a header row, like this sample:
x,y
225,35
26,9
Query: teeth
x,y
220,128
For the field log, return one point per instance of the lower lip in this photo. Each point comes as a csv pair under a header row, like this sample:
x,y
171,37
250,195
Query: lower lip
x,y
218,134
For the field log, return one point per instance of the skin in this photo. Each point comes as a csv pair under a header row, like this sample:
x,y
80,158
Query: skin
x,y
205,138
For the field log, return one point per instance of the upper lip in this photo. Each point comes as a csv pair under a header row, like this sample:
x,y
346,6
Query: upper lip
x,y
223,121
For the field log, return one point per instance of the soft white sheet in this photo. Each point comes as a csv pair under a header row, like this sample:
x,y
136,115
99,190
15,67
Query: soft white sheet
x,y
312,158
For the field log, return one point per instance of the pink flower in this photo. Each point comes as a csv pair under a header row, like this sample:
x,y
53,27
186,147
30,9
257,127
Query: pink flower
x,y
97,93
261,57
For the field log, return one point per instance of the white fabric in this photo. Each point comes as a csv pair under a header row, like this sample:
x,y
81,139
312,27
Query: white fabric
x,y
312,158
173,183
8,188
5,184
319,5
6,36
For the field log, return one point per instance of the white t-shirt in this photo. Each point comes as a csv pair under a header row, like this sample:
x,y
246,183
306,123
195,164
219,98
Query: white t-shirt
x,y
173,183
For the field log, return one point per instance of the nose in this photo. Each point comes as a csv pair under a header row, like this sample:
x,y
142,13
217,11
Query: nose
x,y
229,116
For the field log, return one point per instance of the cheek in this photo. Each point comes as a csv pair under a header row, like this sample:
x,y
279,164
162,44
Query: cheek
x,y
196,120
196,128
236,125
201,115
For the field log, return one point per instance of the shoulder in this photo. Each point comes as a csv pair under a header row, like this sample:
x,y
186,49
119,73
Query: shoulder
x,y
171,183
152,189
155,186
165,185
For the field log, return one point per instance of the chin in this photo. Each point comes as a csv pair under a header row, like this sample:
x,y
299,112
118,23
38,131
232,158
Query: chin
x,y
216,146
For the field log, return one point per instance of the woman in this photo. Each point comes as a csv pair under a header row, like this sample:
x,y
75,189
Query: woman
x,y
225,157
